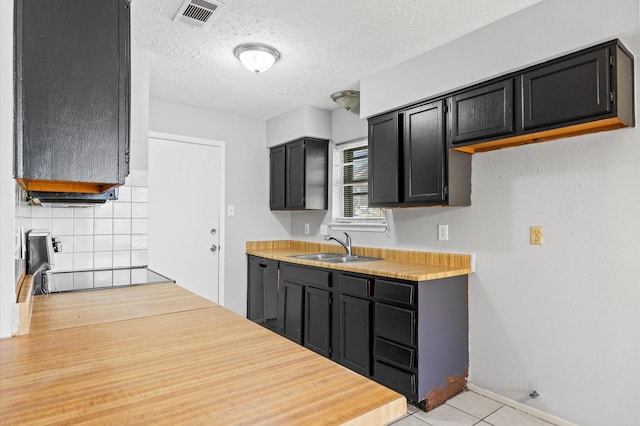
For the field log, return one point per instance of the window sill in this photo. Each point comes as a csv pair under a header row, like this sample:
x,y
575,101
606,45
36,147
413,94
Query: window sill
x,y
359,226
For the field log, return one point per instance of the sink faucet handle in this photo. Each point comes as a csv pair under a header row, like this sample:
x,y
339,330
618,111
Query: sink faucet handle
x,y
348,238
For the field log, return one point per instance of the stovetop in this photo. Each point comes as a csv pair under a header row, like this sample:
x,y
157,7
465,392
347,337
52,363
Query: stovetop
x,y
102,278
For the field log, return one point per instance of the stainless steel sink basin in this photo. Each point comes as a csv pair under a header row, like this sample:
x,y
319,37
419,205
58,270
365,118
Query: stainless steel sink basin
x,y
316,256
334,257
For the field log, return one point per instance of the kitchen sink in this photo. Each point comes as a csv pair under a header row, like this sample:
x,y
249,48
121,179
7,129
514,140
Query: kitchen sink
x,y
334,257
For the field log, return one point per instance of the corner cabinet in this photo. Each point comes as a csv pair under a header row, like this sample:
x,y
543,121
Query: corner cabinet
x,y
72,73
299,175
409,164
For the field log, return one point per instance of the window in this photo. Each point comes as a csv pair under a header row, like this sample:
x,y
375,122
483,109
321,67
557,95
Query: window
x,y
351,196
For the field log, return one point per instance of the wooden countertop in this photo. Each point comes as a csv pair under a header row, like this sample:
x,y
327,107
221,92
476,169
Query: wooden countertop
x,y
400,264
158,354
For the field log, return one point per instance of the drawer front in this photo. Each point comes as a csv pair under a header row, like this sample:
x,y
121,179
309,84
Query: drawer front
x,y
395,324
306,276
395,378
394,353
355,286
395,292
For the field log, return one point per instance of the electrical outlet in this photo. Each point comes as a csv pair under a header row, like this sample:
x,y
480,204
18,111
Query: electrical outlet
x,y
535,235
443,232
306,228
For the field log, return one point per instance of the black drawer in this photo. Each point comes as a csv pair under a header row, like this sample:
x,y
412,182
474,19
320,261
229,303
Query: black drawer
x,y
355,286
395,324
395,292
395,378
306,276
394,354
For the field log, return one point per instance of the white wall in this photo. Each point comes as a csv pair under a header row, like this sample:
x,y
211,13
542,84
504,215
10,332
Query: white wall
x,y
7,184
247,183
305,120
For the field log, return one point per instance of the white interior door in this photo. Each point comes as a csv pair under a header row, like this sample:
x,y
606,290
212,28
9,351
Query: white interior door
x,y
186,193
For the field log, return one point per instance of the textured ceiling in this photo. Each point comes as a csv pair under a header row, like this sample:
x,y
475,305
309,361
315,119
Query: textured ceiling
x,y
325,46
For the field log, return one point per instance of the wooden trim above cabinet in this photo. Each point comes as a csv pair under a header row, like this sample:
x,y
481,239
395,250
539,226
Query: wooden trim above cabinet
x,y
62,186
547,135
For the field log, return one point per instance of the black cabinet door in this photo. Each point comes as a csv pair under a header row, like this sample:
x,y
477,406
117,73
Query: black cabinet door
x,y
384,160
317,333
424,154
72,92
295,176
291,311
355,334
482,112
570,89
262,291
277,181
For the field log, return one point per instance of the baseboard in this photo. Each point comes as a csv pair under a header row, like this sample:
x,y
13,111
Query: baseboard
x,y
520,406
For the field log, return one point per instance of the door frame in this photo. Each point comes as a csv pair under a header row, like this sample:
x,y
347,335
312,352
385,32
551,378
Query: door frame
x,y
221,215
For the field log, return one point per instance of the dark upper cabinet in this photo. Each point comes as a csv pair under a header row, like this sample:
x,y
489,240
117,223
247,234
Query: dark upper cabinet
x,y
72,73
299,175
566,90
384,160
483,112
409,164
278,182
424,154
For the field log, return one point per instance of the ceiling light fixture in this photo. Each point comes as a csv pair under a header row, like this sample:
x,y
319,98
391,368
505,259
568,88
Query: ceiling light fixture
x,y
256,57
347,99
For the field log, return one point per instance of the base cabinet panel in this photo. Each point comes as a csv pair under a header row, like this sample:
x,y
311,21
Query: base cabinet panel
x,y
317,332
355,334
291,311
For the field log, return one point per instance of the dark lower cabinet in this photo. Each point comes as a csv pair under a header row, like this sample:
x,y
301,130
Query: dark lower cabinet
x,y
262,291
355,334
317,321
410,336
292,311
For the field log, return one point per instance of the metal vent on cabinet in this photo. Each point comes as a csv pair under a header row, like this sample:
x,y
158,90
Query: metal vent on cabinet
x,y
198,13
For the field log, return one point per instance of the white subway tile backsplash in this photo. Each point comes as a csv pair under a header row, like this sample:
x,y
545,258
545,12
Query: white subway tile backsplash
x,y
121,259
103,226
139,194
122,209
104,236
82,212
139,242
82,261
139,226
124,193
63,262
83,226
139,210
102,279
121,277
82,243
103,243
121,242
103,210
122,226
62,226
103,259
138,276
62,212
83,280
61,282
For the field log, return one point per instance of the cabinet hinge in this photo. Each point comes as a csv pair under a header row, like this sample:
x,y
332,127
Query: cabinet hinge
x,y
611,60
612,96
445,190
330,351
445,108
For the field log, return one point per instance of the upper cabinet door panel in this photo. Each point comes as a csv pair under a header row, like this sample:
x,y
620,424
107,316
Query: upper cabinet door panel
x,y
482,112
278,184
384,160
295,175
424,153
566,90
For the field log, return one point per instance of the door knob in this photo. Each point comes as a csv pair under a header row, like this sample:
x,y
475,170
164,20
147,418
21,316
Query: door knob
x,y
214,247
214,231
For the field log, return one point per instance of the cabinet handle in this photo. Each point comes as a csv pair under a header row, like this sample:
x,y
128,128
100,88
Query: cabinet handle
x,y
369,288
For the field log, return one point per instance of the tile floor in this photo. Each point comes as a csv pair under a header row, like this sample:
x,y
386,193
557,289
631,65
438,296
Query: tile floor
x,y
467,409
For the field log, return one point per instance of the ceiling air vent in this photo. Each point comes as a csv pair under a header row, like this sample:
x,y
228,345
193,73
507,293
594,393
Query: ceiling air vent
x,y
198,13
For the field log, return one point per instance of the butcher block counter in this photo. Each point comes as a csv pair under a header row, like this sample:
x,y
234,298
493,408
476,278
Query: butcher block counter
x,y
158,354
400,264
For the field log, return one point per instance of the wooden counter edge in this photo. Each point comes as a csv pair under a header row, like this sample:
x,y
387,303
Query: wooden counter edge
x,y
382,415
25,305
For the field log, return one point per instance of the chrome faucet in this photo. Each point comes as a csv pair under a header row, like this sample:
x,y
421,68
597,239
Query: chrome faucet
x,y
346,245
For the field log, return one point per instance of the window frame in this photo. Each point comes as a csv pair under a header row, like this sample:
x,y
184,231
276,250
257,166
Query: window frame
x,y
339,222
